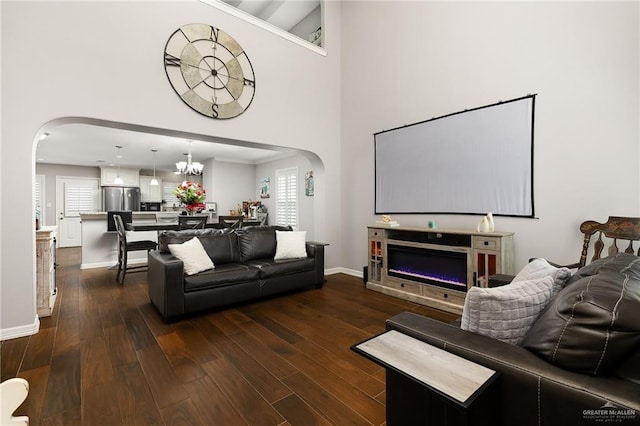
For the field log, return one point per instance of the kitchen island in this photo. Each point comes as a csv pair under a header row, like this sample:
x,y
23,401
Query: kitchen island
x,y
100,246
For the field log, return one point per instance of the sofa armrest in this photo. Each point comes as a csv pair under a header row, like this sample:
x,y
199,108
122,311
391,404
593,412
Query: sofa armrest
x,y
316,251
497,280
531,390
166,284
569,266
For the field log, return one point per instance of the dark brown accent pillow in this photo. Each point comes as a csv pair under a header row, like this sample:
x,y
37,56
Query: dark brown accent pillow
x,y
591,325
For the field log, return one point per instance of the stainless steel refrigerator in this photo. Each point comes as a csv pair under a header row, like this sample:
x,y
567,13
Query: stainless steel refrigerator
x,y
120,198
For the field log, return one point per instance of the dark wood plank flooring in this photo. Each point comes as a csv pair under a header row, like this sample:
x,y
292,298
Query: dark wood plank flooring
x,y
106,358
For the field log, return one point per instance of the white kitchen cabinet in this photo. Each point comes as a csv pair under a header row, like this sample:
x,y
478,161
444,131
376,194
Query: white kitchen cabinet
x,y
130,177
150,193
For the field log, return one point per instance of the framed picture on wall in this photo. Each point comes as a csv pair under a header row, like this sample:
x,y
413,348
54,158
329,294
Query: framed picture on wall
x,y
308,183
211,207
264,187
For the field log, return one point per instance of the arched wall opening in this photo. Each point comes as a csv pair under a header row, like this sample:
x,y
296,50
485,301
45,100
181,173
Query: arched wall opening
x,y
315,227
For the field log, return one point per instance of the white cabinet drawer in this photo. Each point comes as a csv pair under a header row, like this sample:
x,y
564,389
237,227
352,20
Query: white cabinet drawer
x,y
409,287
491,243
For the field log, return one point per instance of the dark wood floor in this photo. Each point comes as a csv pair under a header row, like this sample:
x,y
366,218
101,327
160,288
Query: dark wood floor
x,y
106,358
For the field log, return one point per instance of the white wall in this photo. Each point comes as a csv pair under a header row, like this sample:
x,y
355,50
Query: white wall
x,y
233,183
104,60
390,63
404,62
51,171
306,204
309,24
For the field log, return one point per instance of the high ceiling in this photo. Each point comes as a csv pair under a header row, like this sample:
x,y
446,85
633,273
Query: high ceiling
x,y
87,145
282,14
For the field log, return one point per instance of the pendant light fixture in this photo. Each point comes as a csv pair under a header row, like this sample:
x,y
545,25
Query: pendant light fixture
x,y
118,180
188,167
154,181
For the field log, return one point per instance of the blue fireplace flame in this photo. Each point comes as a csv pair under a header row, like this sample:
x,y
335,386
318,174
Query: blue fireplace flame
x,y
441,268
445,279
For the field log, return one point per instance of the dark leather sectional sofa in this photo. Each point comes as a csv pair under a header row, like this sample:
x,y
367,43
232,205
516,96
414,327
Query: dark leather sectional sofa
x,y
245,270
544,384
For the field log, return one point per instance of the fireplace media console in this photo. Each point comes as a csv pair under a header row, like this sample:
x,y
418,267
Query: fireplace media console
x,y
435,267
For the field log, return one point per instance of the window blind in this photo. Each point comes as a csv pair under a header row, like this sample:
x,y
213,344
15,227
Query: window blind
x,y
79,197
167,192
39,190
287,197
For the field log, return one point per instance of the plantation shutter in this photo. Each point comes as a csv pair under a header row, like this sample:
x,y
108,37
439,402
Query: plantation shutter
x,y
167,192
79,197
287,197
39,189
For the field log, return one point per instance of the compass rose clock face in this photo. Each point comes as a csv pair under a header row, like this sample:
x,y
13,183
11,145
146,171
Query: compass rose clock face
x,y
209,71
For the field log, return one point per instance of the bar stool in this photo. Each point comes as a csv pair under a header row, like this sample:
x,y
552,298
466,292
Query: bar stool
x,y
124,247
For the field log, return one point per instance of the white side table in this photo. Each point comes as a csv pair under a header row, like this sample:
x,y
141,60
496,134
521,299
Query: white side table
x,y
428,385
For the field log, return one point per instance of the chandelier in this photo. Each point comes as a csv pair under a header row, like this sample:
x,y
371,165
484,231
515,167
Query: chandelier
x,y
189,167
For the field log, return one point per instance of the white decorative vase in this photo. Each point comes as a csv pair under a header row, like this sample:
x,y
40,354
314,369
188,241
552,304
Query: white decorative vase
x,y
486,224
492,226
483,226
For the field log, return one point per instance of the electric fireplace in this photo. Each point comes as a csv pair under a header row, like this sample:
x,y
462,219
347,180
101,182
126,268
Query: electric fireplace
x,y
447,269
435,267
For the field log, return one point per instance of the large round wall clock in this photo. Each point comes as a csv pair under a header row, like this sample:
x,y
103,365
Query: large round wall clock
x,y
209,71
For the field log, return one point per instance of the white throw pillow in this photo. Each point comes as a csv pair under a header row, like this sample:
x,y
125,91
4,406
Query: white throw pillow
x,y
539,268
193,255
506,313
290,245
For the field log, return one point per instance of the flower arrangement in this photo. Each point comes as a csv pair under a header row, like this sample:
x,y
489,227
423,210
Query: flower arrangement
x,y
192,195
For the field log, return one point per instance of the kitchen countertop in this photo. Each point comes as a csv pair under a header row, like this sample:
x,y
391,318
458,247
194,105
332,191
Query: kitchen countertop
x,y
146,216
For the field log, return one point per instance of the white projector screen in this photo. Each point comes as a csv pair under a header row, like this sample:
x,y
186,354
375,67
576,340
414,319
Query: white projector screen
x,y
471,162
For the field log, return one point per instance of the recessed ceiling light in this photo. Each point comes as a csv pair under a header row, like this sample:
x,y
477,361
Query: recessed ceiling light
x,y
44,135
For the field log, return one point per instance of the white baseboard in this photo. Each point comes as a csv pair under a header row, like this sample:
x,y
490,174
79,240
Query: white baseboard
x,y
20,331
131,262
341,270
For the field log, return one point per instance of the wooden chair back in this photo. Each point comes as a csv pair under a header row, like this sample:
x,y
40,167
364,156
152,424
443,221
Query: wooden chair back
x,y
617,229
192,222
124,247
122,233
251,222
231,221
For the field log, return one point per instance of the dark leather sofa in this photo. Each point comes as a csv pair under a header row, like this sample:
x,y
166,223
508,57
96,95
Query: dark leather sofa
x,y
530,391
543,385
245,270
